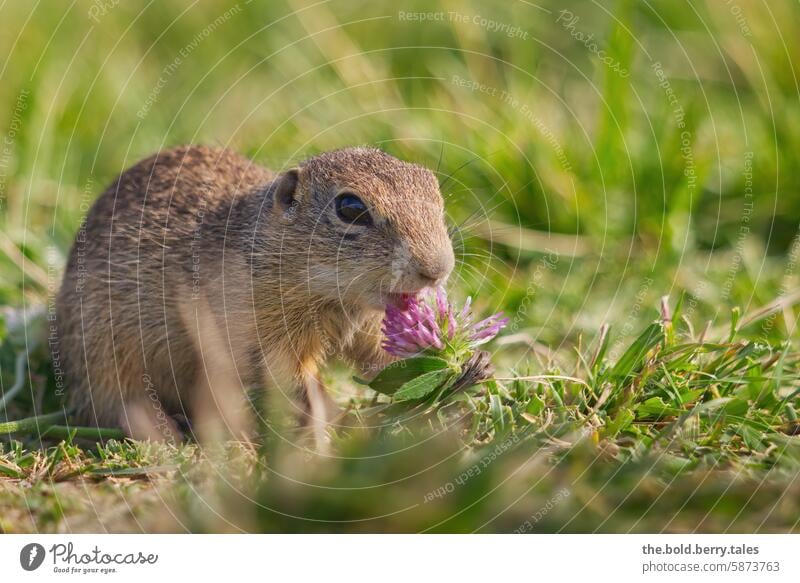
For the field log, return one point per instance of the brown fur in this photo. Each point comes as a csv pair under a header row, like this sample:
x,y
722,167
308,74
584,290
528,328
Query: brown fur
x,y
199,274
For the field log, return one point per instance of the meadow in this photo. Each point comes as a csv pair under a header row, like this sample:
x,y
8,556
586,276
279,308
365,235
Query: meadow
x,y
621,183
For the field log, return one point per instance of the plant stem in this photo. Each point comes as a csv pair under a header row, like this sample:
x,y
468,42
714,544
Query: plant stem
x,y
19,379
545,378
65,432
31,423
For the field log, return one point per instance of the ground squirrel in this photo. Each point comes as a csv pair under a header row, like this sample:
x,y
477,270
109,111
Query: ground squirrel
x,y
199,274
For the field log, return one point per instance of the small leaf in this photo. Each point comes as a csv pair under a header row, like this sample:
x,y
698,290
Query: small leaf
x,y
621,421
422,385
496,412
676,314
535,405
674,464
399,373
736,314
600,353
9,470
736,407
634,356
751,437
691,396
656,407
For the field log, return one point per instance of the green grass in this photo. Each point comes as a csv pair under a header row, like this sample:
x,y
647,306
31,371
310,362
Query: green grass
x,y
581,196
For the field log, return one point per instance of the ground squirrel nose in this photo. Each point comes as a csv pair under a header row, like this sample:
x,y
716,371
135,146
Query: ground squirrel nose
x,y
437,268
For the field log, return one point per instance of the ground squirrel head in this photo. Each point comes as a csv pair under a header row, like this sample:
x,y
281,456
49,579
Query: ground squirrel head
x,y
367,226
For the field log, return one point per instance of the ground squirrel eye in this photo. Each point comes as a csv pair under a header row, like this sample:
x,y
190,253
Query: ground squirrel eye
x,y
352,210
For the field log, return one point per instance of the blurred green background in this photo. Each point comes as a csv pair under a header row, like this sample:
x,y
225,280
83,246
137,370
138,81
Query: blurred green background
x,y
594,156
639,140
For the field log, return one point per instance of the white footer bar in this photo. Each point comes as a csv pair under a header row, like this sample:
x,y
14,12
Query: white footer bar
x,y
406,558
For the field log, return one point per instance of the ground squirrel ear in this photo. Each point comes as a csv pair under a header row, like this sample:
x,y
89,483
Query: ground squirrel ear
x,y
283,191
